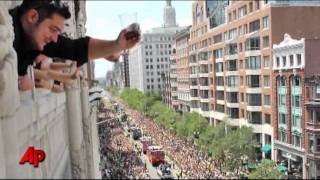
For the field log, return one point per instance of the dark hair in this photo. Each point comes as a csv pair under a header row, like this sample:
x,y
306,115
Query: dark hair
x,y
45,8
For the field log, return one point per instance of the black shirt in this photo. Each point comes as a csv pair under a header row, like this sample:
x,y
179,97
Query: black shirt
x,y
65,48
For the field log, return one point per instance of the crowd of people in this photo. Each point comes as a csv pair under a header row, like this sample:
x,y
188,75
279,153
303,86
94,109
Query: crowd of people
x,y
118,158
192,162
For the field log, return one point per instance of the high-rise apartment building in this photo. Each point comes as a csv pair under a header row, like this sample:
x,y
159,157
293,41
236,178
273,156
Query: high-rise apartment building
x,y
231,75
150,58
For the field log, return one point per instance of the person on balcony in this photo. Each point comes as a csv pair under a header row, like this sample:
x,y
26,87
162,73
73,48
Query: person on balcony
x,y
38,25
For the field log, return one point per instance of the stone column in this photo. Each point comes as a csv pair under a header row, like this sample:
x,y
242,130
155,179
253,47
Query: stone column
x,y
74,108
75,126
9,95
87,133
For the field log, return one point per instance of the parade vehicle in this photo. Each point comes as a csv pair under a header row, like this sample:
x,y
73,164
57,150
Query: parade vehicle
x,y
146,142
155,155
136,133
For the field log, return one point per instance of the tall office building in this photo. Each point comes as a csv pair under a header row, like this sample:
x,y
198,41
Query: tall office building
x,y
150,58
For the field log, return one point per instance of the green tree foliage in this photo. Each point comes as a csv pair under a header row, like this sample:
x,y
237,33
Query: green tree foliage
x,y
267,169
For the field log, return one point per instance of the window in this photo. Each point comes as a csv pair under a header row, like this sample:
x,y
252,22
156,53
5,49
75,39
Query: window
x,y
282,99
232,81
147,67
250,7
296,121
266,61
231,49
219,81
296,81
234,13
257,2
231,65
253,81
282,136
254,117
284,61
232,33
296,140
245,29
241,80
266,81
291,60
217,38
219,67
296,101
267,100
278,61
310,143
254,99
266,41
252,44
253,62
282,118
254,26
242,11
217,53
220,108
299,59
229,17
267,118
265,22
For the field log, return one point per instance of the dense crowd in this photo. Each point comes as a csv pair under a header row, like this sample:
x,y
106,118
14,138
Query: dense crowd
x,y
193,162
118,158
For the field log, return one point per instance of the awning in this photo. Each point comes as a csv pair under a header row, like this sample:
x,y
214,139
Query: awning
x,y
266,148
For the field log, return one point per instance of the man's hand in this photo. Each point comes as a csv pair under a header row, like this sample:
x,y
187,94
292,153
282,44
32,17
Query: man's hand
x,y
111,50
126,42
25,83
113,58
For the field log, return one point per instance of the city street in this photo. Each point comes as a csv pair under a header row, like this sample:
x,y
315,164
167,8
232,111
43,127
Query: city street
x,y
184,154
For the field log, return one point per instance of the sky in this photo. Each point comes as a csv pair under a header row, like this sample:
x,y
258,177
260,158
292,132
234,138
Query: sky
x,y
103,20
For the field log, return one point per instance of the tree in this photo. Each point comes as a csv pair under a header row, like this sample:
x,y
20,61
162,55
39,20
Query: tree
x,y
267,169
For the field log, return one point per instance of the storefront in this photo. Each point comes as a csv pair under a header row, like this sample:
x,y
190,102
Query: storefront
x,y
292,162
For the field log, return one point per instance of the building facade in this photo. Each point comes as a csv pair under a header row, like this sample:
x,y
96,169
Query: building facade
x,y
312,135
289,125
231,63
181,69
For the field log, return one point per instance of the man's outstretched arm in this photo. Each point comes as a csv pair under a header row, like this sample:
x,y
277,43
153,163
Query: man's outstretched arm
x,y
106,49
